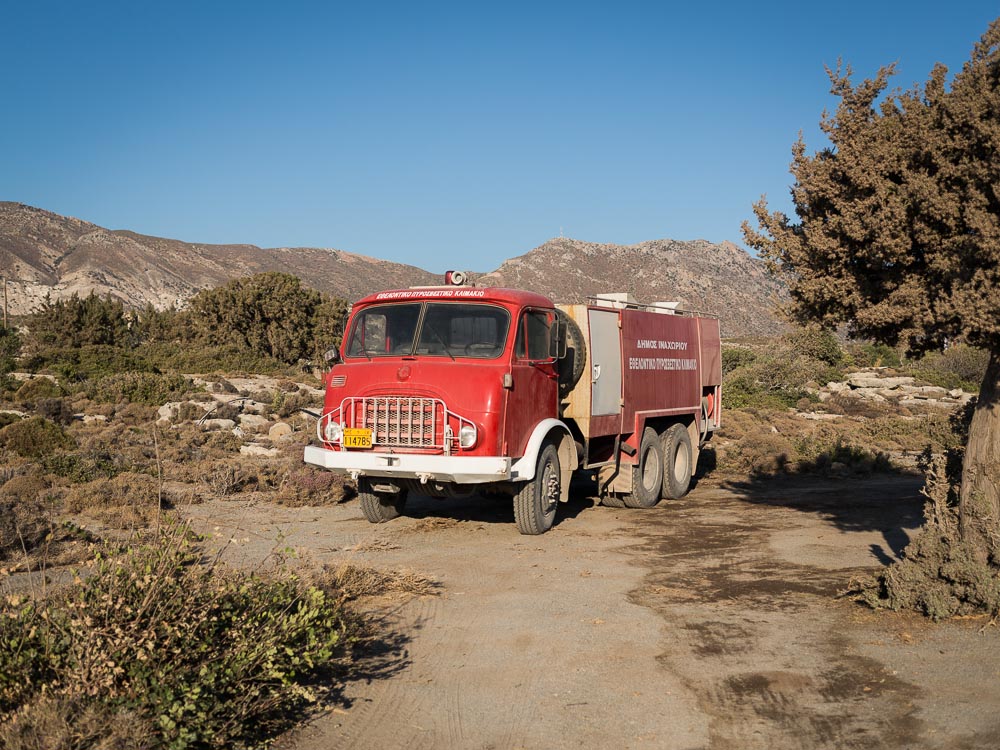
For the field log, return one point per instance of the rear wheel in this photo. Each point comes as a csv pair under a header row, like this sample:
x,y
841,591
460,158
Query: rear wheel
x,y
647,475
379,507
536,500
677,457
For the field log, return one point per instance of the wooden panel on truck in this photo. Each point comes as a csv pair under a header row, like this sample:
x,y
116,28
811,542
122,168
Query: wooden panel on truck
x,y
661,363
711,352
576,404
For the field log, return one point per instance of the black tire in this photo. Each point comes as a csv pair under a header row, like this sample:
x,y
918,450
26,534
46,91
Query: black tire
x,y
536,500
613,501
647,475
677,456
571,366
380,507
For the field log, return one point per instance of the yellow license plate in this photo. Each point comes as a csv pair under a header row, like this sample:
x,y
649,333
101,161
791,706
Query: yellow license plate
x,y
357,437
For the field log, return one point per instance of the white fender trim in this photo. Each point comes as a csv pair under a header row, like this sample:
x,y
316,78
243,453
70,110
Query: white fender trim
x,y
524,467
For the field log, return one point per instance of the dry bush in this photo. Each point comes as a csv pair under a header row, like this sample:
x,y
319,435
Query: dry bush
x,y
56,409
859,408
128,500
35,437
940,575
25,521
71,723
226,479
304,485
134,414
361,581
189,411
764,443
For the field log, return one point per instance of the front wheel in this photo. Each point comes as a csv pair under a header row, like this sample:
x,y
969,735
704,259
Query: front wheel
x,y
536,500
379,507
677,457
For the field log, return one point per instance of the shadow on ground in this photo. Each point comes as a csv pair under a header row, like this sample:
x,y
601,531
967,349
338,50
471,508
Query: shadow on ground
x,y
488,508
887,503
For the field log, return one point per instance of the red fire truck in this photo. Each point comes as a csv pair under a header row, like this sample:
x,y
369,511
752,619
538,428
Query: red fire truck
x,y
446,391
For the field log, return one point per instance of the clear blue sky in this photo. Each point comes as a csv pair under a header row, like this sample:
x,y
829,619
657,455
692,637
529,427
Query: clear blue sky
x,y
438,134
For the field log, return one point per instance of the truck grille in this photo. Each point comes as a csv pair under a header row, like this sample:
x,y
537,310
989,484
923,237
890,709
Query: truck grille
x,y
398,422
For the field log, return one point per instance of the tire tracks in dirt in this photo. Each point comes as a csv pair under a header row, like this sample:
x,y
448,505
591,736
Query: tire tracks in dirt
x,y
757,633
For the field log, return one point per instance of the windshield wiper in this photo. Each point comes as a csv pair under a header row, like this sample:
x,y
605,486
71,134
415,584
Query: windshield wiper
x,y
437,335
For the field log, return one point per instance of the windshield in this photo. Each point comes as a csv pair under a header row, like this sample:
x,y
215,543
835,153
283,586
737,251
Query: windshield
x,y
436,329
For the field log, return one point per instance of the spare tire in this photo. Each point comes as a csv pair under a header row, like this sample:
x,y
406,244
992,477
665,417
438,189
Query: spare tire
x,y
571,366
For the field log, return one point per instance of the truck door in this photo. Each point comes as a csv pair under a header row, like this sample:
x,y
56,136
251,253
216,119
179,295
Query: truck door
x,y
606,363
535,390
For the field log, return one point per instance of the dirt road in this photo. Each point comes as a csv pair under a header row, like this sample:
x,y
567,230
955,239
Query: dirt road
x,y
710,622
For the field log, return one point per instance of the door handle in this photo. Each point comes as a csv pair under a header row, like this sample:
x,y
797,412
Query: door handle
x,y
595,374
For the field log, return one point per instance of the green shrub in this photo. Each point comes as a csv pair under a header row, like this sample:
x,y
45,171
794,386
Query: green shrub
x,y
10,348
959,366
7,418
816,343
734,357
205,358
76,321
83,466
35,437
37,388
203,657
869,354
776,380
76,364
142,387
270,314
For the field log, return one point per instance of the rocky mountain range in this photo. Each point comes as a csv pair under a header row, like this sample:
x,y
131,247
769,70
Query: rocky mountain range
x,y
43,253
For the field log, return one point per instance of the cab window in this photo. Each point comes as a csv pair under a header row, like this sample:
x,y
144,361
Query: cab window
x,y
532,341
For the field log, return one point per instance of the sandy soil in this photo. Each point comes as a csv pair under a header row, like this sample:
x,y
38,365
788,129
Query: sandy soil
x,y
711,622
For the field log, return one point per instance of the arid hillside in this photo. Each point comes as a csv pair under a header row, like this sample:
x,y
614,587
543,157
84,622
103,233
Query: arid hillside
x,y
720,279
43,253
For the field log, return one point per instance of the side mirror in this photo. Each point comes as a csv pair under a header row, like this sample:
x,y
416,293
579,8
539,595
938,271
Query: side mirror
x,y
332,355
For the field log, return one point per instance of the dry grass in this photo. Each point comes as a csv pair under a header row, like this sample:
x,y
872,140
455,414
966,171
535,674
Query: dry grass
x,y
362,581
63,723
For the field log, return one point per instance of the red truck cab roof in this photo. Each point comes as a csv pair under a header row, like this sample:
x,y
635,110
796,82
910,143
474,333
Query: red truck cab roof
x,y
515,297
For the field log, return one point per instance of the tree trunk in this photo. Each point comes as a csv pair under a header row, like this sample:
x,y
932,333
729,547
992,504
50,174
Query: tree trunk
x,y
979,502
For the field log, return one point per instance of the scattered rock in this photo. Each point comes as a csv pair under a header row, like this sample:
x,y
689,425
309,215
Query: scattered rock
x,y
218,424
169,410
279,430
926,402
872,380
91,418
258,450
925,391
253,422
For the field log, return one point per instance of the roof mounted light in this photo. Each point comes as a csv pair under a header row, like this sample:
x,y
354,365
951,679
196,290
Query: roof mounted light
x,y
455,278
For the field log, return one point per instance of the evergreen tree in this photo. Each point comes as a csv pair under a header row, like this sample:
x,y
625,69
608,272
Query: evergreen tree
x,y
897,234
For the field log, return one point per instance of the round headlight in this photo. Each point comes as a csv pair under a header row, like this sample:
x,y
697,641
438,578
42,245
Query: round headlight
x,y
467,436
333,432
